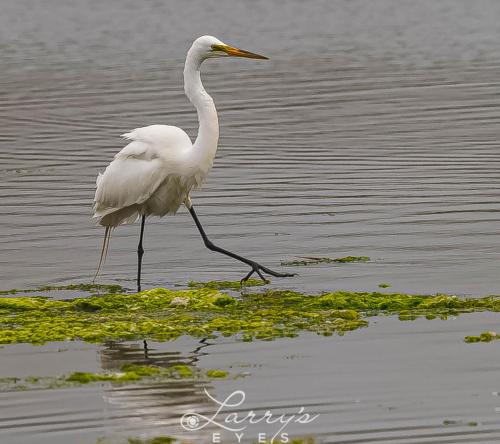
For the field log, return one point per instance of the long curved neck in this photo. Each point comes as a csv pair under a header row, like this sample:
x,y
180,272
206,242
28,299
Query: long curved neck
x,y
205,145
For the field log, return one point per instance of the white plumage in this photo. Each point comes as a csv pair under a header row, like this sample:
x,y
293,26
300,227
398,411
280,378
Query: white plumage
x,y
154,174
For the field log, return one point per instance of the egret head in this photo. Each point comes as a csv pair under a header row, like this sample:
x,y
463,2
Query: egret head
x,y
208,47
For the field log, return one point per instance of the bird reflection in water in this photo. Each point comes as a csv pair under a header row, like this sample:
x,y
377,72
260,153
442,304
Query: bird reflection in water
x,y
158,404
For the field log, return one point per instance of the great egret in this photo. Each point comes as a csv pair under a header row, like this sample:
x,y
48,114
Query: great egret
x,y
155,173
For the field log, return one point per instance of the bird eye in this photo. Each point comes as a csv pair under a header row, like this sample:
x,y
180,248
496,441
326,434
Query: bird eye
x,y
217,48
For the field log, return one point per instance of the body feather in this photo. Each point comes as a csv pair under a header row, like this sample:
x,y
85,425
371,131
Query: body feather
x,y
152,175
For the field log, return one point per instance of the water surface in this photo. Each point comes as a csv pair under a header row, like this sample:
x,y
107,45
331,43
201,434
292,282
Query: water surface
x,y
372,131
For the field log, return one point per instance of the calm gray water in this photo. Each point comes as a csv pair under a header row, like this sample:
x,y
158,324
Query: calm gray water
x,y
373,130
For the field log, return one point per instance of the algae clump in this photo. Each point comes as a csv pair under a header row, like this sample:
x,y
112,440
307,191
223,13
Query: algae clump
x,y
227,285
486,336
217,374
312,260
89,288
127,373
161,314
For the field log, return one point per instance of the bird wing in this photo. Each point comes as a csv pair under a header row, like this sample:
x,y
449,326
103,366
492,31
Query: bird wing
x,y
131,178
140,167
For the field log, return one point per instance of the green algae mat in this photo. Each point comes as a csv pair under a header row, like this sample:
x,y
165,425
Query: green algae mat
x,y
128,373
208,310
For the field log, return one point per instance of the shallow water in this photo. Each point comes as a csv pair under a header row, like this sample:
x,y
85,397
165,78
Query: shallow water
x,y
373,130
393,382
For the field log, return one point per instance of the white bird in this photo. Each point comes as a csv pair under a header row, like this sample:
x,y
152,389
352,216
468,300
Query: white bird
x,y
156,172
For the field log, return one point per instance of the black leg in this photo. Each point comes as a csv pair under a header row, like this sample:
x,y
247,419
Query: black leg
x,y
140,253
256,268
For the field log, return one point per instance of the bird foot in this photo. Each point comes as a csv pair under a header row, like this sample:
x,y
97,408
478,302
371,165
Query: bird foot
x,y
261,270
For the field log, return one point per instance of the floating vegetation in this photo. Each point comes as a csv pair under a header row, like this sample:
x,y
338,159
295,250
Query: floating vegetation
x,y
486,336
217,374
311,260
227,285
384,285
127,373
89,288
162,314
453,422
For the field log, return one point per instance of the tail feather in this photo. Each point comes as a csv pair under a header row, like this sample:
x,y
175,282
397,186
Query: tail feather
x,y
104,251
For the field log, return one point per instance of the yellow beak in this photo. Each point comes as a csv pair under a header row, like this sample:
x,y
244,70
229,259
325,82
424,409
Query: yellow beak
x,y
235,52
